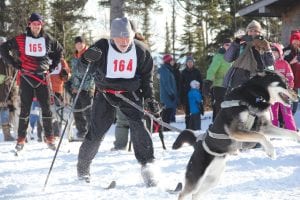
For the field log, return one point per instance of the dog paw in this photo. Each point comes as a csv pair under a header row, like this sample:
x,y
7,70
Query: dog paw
x,y
271,154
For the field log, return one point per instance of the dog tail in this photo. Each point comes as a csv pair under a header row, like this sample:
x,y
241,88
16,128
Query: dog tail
x,y
185,136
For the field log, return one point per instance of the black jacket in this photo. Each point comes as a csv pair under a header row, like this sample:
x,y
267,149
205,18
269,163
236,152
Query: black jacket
x,y
143,79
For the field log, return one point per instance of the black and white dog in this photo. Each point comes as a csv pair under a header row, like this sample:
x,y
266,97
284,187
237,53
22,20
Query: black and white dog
x,y
244,120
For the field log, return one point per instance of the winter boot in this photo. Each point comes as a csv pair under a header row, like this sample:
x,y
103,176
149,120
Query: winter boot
x,y
50,141
6,132
149,175
83,170
20,143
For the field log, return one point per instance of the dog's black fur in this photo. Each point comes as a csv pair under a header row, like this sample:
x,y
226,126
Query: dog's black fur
x,y
244,120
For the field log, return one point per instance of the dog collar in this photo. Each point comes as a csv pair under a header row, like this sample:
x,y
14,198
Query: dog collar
x,y
233,103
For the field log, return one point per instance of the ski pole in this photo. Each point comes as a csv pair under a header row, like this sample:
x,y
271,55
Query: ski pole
x,y
91,55
164,124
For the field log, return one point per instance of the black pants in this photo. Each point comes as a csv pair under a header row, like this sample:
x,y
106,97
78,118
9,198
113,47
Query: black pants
x,y
166,116
83,118
195,122
27,92
102,117
218,94
187,112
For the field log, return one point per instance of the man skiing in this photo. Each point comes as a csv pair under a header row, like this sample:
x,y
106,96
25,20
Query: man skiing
x,y
32,52
125,67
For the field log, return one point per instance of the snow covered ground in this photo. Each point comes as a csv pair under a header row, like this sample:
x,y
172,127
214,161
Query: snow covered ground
x,y
250,175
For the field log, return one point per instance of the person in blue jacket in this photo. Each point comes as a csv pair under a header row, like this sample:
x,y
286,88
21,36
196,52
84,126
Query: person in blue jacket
x,y
196,105
168,89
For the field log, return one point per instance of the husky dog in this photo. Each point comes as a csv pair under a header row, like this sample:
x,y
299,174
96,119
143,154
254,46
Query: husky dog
x,y
244,120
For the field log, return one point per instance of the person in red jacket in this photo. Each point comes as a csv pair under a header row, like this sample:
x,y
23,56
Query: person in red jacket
x,y
58,77
292,56
283,68
34,53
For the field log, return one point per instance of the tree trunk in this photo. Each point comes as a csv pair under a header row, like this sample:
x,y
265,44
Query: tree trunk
x,y
116,9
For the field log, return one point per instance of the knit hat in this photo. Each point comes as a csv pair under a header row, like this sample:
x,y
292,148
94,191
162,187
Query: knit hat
x,y
254,25
35,17
227,40
195,84
167,58
78,39
295,36
189,58
120,27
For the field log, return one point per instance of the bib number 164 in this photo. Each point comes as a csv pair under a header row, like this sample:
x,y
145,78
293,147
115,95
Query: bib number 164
x,y
120,65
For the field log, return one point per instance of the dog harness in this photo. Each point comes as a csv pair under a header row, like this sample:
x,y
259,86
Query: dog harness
x,y
207,149
233,103
248,125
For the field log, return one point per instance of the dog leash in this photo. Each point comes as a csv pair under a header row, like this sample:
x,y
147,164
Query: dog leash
x,y
164,124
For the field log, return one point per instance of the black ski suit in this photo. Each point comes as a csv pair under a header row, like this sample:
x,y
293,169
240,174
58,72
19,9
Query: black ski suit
x,y
105,103
33,70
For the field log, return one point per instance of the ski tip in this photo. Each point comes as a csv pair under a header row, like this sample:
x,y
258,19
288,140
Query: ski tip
x,y
111,185
177,189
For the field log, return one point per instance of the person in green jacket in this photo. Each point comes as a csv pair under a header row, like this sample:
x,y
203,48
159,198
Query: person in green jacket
x,y
214,78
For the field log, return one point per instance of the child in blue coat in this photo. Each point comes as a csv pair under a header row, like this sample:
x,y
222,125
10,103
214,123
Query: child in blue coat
x,y
196,105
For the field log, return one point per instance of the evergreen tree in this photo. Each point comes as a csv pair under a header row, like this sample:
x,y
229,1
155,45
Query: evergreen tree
x,y
187,39
66,14
16,13
116,9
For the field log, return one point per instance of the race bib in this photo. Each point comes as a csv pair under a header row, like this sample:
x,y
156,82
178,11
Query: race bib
x,y
35,46
121,65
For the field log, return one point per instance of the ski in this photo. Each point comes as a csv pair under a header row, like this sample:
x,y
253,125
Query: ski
x,y
76,139
17,152
176,190
112,185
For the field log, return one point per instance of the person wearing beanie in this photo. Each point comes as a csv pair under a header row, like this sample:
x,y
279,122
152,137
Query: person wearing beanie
x,y
168,88
124,67
292,56
250,53
196,105
86,94
38,54
167,58
254,27
281,66
213,84
187,75
122,124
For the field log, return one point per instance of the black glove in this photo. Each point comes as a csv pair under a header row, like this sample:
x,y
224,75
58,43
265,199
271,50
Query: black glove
x,y
92,54
17,65
153,107
201,107
237,40
206,87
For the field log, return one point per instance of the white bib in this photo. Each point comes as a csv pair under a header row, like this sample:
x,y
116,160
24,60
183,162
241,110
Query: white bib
x,y
35,46
121,65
